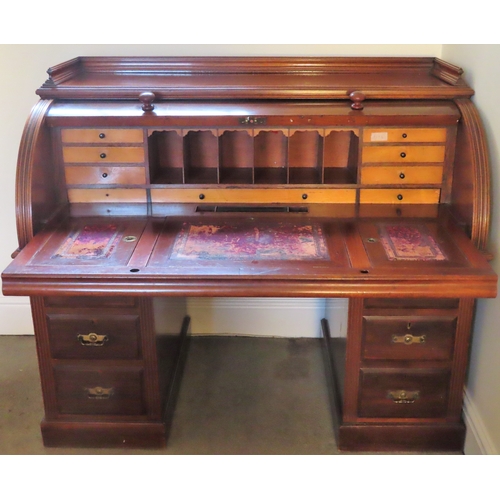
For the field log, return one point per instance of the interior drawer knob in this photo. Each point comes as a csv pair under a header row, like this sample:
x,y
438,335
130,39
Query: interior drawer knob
x,y
402,175
403,155
103,155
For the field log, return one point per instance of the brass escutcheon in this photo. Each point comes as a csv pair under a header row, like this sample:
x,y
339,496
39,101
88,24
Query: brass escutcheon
x,y
408,339
99,392
403,397
129,239
92,339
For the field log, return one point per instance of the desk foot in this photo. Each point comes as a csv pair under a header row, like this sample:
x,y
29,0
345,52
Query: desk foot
x,y
103,434
402,438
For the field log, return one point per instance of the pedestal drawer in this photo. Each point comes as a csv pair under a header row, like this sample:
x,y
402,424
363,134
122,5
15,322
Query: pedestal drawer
x,y
99,390
408,337
94,335
387,393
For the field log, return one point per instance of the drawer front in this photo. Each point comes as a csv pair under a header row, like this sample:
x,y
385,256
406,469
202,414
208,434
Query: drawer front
x,y
104,154
94,336
401,175
423,303
111,195
392,196
403,154
99,391
90,135
404,135
285,195
403,394
408,337
90,301
105,175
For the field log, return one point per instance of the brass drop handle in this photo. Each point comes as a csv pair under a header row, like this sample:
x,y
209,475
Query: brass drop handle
x,y
92,339
408,339
403,396
99,392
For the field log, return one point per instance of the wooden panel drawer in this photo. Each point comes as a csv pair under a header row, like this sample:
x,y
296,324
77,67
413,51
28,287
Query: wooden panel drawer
x,y
408,337
107,135
250,195
89,301
105,175
386,393
403,154
401,175
406,303
99,390
404,135
94,335
396,195
107,195
103,154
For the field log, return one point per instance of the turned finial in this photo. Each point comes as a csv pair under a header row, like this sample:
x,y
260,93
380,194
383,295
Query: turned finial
x,y
147,99
357,99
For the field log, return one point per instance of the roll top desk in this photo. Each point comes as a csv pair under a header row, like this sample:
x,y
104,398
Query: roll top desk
x,y
143,181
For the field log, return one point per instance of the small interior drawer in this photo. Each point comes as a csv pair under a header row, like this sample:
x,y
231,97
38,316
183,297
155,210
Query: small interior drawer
x,y
408,337
401,175
103,154
403,154
99,390
399,196
386,393
97,135
105,175
404,135
94,335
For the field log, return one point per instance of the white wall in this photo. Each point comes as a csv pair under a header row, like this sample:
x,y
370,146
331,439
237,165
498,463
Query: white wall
x,y
481,64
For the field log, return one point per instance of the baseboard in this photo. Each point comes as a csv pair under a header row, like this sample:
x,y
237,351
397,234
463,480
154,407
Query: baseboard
x,y
478,440
266,317
15,316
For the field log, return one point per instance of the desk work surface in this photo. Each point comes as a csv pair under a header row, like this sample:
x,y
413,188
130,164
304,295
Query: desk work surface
x,y
252,253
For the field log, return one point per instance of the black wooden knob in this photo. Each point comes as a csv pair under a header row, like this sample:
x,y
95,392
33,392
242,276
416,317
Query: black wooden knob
x,y
104,175
102,136
403,155
405,136
202,196
103,155
400,197
401,175
304,196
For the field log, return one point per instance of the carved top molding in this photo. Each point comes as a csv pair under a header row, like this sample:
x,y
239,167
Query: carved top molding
x,y
313,78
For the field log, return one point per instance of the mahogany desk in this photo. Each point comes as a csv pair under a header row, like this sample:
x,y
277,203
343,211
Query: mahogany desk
x,y
142,181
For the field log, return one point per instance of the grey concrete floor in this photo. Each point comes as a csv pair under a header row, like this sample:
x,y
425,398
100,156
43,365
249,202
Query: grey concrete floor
x,y
239,396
